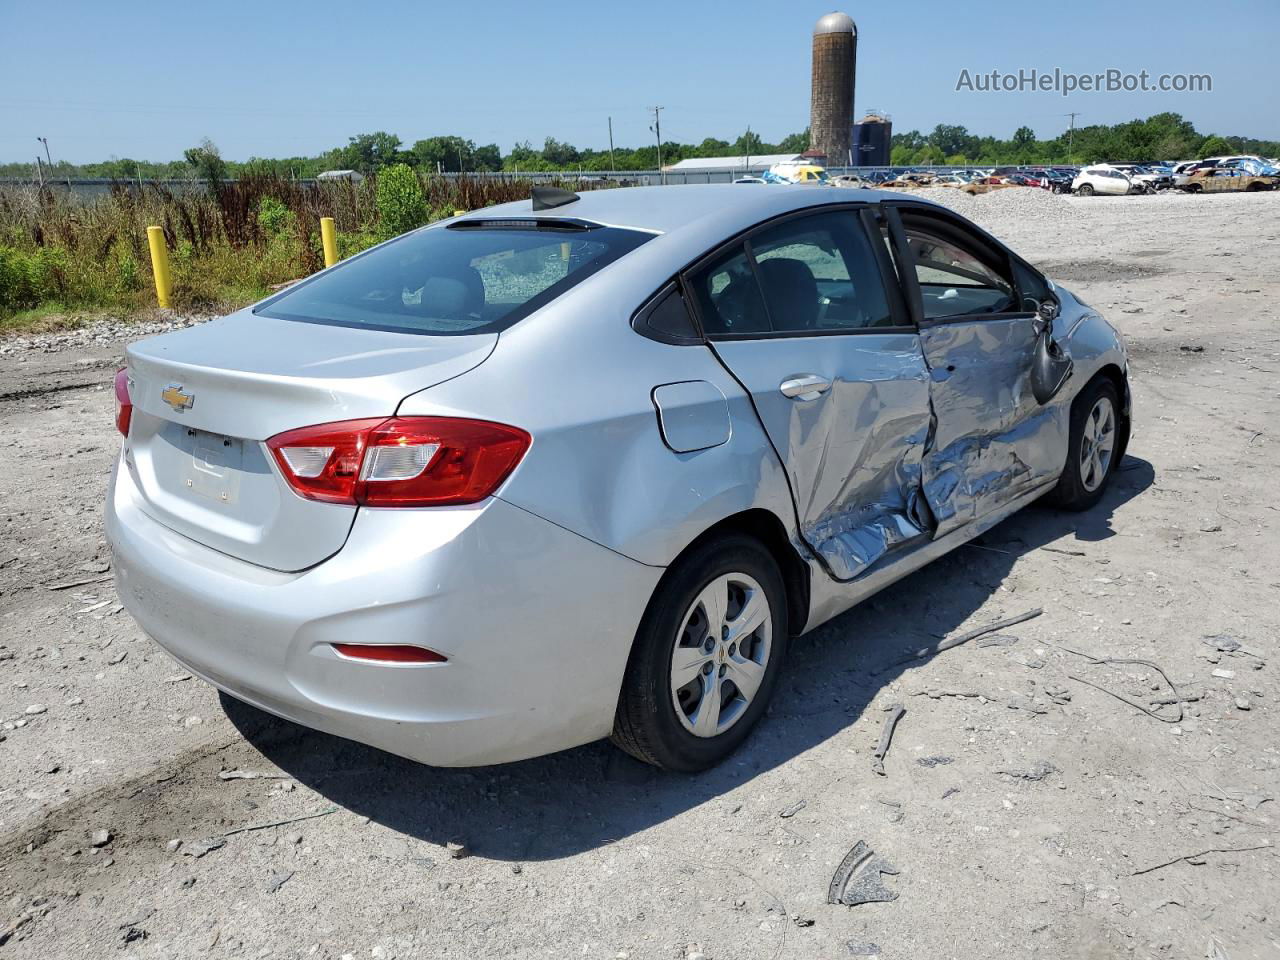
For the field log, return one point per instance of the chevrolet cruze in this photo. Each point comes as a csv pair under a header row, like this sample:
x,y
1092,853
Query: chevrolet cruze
x,y
578,467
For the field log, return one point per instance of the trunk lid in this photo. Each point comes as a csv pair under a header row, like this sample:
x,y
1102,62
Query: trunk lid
x,y
205,399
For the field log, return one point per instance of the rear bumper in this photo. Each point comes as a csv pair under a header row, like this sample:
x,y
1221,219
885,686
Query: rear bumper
x,y
536,623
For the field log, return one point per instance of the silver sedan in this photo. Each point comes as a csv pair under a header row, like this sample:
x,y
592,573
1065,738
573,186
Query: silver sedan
x,y
579,467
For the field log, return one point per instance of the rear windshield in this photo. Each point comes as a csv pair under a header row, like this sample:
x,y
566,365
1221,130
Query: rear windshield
x,y
454,280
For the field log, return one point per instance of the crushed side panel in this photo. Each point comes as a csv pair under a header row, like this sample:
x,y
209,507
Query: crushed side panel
x,y
991,439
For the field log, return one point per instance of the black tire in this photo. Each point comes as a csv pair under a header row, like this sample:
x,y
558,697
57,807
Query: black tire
x,y
1071,493
646,725
1085,190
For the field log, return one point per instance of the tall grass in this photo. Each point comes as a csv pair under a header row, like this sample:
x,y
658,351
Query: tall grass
x,y
228,245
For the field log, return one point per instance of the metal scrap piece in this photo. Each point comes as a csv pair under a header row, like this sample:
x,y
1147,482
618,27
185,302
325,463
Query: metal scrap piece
x,y
867,886
950,642
886,736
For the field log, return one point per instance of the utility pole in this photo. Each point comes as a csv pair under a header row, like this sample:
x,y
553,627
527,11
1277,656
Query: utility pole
x,y
612,167
45,141
747,141
39,171
657,132
1071,136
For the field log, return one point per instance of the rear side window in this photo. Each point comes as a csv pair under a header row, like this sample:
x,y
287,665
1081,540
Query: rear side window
x,y
449,281
814,274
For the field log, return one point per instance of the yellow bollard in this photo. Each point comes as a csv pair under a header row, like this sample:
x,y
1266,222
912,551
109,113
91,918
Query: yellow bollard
x,y
159,264
329,238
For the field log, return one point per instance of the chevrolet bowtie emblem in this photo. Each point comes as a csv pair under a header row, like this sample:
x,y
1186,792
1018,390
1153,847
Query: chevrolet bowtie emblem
x,y
174,397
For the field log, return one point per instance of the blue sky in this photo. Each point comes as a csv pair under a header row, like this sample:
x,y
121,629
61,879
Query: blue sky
x,y
145,80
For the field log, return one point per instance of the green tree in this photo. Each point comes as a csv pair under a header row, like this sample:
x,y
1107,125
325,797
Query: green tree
x,y
367,152
949,138
207,162
402,205
488,157
559,156
1024,138
1213,146
795,142
747,144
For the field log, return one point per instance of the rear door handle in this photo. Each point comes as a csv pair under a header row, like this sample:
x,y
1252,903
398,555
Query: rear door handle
x,y
807,386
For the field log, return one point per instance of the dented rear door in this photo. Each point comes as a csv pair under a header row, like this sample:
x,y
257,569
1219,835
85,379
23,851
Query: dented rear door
x,y
801,316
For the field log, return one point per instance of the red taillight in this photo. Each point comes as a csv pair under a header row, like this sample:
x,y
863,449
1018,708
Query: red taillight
x,y
389,652
400,462
124,405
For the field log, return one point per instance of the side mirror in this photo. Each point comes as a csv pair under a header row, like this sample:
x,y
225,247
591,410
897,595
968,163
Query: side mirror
x,y
1051,366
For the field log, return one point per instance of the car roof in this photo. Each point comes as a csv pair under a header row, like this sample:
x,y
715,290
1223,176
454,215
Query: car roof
x,y
674,208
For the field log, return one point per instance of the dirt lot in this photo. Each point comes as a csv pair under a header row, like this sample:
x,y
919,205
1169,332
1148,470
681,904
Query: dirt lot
x,y
1028,808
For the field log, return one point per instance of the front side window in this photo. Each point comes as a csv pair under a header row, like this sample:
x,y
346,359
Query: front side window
x,y
953,280
814,274
454,280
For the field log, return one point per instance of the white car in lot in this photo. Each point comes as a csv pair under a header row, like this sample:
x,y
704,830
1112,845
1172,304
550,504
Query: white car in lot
x,y
1101,178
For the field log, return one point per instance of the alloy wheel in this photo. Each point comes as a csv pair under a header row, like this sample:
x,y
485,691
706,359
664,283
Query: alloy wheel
x,y
1097,444
721,654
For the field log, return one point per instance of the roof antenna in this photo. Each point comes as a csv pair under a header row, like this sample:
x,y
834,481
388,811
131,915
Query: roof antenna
x,y
546,198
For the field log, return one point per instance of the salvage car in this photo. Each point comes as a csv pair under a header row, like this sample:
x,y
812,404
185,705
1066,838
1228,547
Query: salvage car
x,y
1102,179
580,467
1215,179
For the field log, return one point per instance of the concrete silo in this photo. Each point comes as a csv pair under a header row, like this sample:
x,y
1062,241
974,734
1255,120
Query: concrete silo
x,y
835,54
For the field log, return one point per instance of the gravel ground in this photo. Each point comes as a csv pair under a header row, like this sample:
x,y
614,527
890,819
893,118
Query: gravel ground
x,y
1035,802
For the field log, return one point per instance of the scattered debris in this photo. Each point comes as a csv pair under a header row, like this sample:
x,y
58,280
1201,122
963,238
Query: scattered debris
x,y
34,709
251,775
1251,801
949,792
457,849
886,737
1224,674
1193,857
198,848
1066,553
792,809
79,583
1057,694
934,694
279,823
1035,773
1242,703
858,948
100,838
800,921
934,761
867,886
998,640
1120,661
962,638
278,880
138,919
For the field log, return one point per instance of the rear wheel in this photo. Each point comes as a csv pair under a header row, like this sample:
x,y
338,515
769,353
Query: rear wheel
x,y
706,657
1092,449
1085,190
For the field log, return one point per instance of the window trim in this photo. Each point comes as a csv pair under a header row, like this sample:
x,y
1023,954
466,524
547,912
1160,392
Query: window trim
x,y
742,240
640,324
